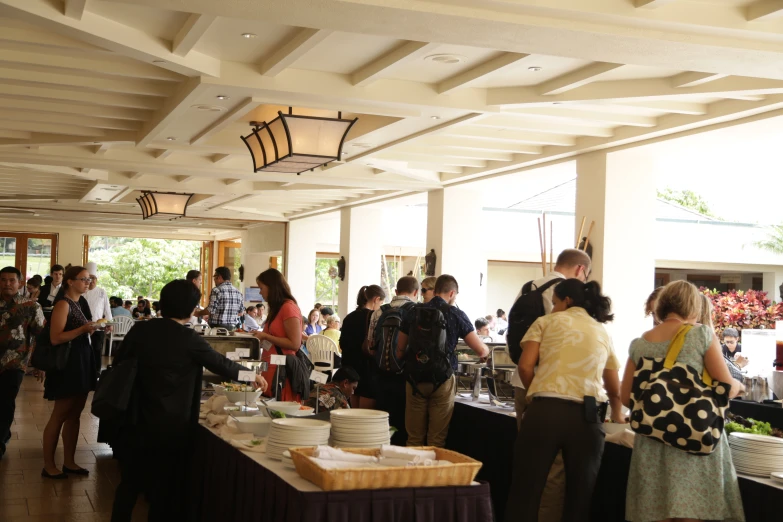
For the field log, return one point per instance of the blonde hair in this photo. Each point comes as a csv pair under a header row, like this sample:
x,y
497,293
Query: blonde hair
x,y
429,282
332,321
706,312
681,298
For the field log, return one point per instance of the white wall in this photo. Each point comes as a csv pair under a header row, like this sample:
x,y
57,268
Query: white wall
x,y
504,281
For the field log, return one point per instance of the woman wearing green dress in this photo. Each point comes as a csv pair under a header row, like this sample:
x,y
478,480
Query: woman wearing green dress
x,y
666,483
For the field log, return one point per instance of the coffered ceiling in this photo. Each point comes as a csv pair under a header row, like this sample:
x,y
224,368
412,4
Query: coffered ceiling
x,y
100,99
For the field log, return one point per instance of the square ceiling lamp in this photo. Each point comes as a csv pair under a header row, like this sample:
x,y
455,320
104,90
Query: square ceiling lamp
x,y
293,144
163,204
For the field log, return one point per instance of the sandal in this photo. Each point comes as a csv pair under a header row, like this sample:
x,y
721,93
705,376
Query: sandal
x,y
78,471
59,476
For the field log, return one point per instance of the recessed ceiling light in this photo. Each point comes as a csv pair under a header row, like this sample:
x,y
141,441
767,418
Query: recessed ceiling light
x,y
36,214
222,97
97,199
208,108
171,138
249,35
447,59
535,68
435,117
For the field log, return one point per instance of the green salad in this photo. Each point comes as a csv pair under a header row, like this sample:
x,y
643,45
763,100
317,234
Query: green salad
x,y
757,427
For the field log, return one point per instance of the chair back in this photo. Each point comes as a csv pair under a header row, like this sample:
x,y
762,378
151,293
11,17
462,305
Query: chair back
x,y
322,350
124,323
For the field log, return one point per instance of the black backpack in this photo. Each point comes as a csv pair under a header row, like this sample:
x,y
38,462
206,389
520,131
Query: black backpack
x,y
385,338
526,309
426,359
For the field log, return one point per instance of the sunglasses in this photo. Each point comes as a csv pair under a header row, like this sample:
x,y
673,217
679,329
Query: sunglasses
x,y
425,290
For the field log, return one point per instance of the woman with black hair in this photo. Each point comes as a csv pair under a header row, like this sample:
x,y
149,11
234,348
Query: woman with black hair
x,y
352,343
577,370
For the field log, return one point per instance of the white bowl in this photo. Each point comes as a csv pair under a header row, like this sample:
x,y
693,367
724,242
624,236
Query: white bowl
x,y
251,397
255,425
285,407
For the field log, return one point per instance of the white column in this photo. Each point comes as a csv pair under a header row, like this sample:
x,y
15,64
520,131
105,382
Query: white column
x,y
299,261
617,191
772,282
362,246
453,230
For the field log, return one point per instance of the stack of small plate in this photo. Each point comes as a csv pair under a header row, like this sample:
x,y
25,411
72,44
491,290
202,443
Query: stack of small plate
x,y
291,433
758,455
359,428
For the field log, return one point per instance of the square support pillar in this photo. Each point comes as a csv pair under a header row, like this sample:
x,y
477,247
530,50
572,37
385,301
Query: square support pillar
x,y
454,218
362,246
617,191
299,260
772,285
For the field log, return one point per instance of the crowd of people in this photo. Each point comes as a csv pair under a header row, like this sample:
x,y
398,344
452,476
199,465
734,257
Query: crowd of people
x,y
397,356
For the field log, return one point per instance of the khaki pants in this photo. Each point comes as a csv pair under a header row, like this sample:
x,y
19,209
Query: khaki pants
x,y
553,497
427,416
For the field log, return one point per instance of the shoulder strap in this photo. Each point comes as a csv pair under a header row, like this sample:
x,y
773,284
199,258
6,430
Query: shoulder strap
x,y
675,347
543,288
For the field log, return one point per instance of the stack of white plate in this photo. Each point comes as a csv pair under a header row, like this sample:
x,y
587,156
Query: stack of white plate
x,y
359,428
291,433
758,455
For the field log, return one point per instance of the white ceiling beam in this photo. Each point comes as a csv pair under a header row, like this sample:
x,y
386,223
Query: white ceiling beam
x,y
370,72
94,83
360,200
162,154
493,65
68,119
68,130
133,175
44,139
75,8
692,79
100,150
674,107
651,4
577,116
194,28
430,159
575,79
217,159
109,34
509,135
15,135
122,194
183,179
173,108
294,48
242,108
95,111
436,152
230,182
513,122
81,97
763,10
455,143
84,198
422,175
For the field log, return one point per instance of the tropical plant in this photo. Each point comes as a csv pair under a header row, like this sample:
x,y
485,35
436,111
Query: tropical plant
x,y
688,199
739,309
774,241
326,287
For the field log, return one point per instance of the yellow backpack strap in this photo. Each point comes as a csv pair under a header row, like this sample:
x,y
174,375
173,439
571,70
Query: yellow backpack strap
x,y
674,351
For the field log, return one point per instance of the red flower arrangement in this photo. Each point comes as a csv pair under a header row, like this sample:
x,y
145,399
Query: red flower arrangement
x,y
743,309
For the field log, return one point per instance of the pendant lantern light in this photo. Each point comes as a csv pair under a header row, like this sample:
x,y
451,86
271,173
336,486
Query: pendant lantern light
x,y
163,204
294,143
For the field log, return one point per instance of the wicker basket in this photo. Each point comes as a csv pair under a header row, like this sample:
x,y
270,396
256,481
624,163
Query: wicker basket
x,y
461,473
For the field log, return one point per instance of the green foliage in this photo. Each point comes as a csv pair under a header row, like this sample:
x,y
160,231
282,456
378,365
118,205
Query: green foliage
x,y
687,199
326,291
774,241
128,267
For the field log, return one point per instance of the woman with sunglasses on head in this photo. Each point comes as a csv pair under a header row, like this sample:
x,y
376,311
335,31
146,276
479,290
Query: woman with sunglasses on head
x,y
68,388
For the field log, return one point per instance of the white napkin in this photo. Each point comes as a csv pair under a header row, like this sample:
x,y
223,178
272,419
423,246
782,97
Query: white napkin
x,y
392,463
329,453
409,454
245,445
339,464
216,420
214,404
623,438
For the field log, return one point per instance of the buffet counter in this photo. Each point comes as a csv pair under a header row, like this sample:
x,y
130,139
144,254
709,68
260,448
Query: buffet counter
x,y
493,445
228,484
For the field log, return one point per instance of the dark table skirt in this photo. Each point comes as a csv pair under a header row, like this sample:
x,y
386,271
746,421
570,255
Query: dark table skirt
x,y
229,486
489,437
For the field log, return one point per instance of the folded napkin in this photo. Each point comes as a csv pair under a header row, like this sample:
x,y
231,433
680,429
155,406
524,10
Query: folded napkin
x,y
245,444
409,454
623,438
393,463
214,404
214,420
341,464
329,453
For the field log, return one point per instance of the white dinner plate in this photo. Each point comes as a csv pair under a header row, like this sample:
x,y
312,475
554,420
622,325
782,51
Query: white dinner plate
x,y
358,414
766,439
302,423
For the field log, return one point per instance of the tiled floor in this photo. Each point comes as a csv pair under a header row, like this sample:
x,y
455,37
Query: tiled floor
x,y
25,496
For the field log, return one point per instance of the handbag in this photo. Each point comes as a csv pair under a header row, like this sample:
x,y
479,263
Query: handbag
x,y
49,357
115,388
673,404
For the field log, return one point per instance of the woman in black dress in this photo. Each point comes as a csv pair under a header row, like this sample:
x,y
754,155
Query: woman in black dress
x,y
352,339
69,388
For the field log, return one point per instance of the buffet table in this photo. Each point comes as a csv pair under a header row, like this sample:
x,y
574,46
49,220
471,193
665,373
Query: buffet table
x,y
493,445
233,485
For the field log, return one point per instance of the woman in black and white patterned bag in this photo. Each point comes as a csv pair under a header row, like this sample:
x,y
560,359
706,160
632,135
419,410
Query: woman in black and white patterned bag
x,y
666,480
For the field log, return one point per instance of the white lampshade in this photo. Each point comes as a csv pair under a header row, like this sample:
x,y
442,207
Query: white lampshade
x,y
293,143
163,204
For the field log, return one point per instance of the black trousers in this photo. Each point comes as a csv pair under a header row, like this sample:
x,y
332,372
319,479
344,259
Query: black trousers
x,y
10,381
159,474
551,425
97,347
391,399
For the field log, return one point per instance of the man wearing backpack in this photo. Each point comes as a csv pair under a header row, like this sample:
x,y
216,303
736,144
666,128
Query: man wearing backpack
x,y
534,300
382,339
426,342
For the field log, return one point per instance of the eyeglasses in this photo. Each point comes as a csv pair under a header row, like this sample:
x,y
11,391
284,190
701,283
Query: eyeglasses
x,y
83,279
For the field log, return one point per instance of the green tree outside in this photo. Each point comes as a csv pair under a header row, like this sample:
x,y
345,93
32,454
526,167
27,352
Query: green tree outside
x,y
688,199
326,288
128,267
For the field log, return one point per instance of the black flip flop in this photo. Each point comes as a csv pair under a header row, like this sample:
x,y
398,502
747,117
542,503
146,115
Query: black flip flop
x,y
46,474
80,471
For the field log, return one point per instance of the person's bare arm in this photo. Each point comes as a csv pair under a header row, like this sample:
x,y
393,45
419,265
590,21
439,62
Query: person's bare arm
x,y
57,333
716,366
476,344
528,361
402,344
293,335
627,384
612,387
